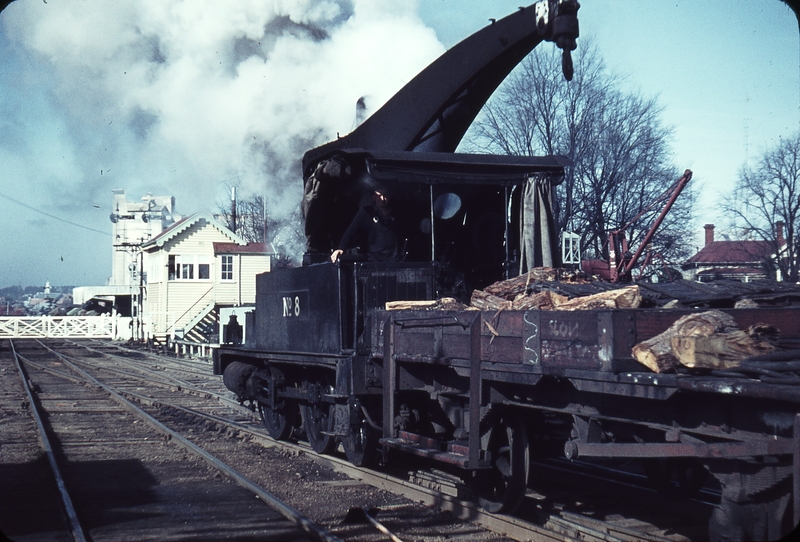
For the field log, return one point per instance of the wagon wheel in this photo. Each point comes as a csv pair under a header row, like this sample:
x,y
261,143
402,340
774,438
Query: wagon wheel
x,y
318,418
677,478
502,488
360,444
281,420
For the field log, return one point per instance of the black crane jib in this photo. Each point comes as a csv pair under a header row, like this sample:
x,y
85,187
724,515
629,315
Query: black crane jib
x,y
434,110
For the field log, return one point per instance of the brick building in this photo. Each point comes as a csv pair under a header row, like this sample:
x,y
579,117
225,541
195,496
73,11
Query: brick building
x,y
734,260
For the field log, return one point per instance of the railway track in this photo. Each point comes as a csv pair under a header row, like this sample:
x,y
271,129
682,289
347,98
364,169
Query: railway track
x,y
186,397
121,479
687,517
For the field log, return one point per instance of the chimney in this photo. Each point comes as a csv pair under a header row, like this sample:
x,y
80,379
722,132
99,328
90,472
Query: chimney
x,y
709,233
779,233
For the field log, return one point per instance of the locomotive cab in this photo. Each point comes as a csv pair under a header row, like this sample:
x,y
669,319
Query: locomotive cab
x,y
477,218
462,222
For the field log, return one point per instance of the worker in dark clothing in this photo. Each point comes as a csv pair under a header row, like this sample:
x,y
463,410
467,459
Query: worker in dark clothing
x,y
374,230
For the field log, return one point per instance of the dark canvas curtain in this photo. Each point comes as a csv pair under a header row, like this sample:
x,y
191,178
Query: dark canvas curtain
x,y
538,236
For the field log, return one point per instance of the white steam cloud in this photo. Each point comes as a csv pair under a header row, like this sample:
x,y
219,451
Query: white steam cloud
x,y
184,98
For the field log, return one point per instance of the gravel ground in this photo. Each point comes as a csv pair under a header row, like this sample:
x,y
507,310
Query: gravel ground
x,y
30,508
325,495
28,494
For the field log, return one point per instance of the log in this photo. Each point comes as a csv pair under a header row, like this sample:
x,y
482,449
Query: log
x,y
511,288
543,301
657,353
445,304
704,324
623,298
488,302
544,274
724,350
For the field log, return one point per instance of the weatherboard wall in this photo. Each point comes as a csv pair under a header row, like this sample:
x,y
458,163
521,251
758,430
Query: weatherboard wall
x,y
174,302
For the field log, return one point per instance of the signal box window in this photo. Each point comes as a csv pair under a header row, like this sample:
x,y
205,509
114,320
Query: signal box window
x,y
187,271
188,267
227,268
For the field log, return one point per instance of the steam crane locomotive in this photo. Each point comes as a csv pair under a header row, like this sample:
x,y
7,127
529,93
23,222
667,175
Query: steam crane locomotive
x,y
481,392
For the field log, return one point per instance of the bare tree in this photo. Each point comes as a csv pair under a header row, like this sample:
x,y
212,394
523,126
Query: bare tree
x,y
251,218
766,203
255,225
616,141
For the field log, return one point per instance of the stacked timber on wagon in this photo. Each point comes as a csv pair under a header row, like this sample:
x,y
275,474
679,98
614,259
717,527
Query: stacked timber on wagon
x,y
520,293
708,339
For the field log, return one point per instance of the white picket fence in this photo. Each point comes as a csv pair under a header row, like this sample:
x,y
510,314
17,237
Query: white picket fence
x,y
53,327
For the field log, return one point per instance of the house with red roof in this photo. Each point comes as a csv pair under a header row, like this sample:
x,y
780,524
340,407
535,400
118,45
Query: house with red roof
x,y
733,260
195,269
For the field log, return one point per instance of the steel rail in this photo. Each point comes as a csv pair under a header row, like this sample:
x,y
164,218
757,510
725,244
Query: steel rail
x,y
559,529
157,402
315,530
376,479
154,401
157,379
513,527
519,529
190,366
72,516
157,376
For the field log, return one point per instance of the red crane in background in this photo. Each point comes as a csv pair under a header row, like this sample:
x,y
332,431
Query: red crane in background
x,y
620,261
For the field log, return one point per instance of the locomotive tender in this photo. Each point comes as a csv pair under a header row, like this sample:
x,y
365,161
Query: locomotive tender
x,y
482,392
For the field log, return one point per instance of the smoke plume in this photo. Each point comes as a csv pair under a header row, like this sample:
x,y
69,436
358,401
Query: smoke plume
x,y
188,98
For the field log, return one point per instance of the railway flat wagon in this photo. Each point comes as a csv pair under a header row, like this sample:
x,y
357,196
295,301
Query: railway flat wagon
x,y
504,386
482,393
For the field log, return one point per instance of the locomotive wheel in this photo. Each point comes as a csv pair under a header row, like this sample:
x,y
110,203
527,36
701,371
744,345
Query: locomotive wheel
x,y
318,420
502,488
279,422
360,444
275,422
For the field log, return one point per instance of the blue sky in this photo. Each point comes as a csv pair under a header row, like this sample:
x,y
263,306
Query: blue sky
x,y
727,73
151,96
